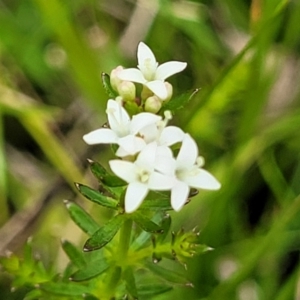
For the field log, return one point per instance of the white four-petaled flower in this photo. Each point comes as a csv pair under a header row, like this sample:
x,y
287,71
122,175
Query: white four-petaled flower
x,y
149,73
141,177
123,130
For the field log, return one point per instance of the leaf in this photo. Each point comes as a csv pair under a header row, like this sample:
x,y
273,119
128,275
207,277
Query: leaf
x,y
165,225
103,176
33,295
156,204
81,218
179,101
169,275
96,196
130,282
149,290
105,234
64,289
74,254
90,271
145,223
107,86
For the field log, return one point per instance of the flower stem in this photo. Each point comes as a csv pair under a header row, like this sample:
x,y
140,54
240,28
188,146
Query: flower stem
x,y
124,241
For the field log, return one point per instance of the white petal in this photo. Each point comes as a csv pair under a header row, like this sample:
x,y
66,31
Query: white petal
x,y
164,162
121,152
131,144
132,74
118,117
149,133
168,69
188,152
146,158
179,195
146,61
101,136
158,88
142,120
135,194
160,182
203,180
171,135
124,169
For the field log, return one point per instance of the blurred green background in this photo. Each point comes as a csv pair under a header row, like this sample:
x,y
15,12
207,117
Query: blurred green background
x,y
243,55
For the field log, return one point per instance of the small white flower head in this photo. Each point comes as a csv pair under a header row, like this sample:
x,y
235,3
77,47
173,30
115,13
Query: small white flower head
x,y
150,73
141,177
188,173
123,131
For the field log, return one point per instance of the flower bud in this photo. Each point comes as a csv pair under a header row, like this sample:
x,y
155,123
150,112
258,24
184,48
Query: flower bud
x,y
169,88
146,93
126,90
153,104
114,78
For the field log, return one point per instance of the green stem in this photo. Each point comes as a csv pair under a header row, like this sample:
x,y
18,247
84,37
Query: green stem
x,y
124,241
115,273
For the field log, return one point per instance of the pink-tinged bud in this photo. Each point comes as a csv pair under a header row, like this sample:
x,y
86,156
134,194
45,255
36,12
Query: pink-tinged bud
x,y
114,78
127,90
169,88
153,104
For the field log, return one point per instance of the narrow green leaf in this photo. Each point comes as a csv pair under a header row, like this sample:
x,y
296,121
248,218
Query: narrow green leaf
x,y
165,225
74,254
96,196
107,86
65,289
145,223
103,176
156,204
33,295
179,101
81,218
105,234
169,275
148,290
130,283
91,270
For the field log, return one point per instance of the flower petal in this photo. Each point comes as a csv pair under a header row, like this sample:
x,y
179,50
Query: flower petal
x,y
168,69
131,144
203,180
171,135
164,162
124,169
135,194
188,153
160,182
132,74
149,133
158,88
146,61
142,120
146,158
179,195
101,136
118,118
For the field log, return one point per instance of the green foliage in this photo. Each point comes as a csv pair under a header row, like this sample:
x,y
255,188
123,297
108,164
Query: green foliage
x,y
243,56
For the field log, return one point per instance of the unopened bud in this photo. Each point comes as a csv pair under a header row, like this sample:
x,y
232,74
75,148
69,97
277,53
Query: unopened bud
x,y
146,93
126,90
169,88
153,104
114,78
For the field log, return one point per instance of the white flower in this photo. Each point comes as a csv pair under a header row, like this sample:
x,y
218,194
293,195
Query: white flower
x,y
150,73
141,176
187,172
122,131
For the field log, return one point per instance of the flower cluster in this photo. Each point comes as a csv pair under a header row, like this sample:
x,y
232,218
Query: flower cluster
x,y
146,161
